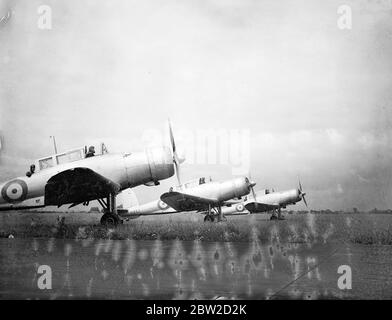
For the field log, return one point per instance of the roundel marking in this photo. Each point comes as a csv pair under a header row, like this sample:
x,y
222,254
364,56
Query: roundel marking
x,y
240,207
14,191
162,205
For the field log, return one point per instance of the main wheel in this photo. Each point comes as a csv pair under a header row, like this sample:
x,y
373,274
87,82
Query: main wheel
x,y
208,218
274,217
110,220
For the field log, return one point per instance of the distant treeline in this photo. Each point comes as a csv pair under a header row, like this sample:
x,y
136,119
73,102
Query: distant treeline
x,y
328,211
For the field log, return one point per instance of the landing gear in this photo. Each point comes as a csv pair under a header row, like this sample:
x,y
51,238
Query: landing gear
x,y
214,214
220,216
209,218
209,215
277,215
280,216
110,217
110,220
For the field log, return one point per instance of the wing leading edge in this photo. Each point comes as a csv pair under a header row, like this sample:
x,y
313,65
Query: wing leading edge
x,y
260,207
185,202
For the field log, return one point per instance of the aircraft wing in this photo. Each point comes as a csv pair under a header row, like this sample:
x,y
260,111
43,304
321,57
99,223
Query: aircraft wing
x,y
232,202
254,206
78,185
185,202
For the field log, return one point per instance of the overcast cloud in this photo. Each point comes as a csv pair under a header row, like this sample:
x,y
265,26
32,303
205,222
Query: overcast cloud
x,y
315,99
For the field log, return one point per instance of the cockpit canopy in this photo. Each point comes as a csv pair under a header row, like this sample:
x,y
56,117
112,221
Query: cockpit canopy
x,y
268,191
68,156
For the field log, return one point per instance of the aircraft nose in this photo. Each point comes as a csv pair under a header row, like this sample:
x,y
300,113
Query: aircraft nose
x,y
249,183
301,196
161,163
167,162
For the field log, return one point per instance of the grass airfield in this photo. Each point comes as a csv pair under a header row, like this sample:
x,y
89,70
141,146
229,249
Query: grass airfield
x,y
361,228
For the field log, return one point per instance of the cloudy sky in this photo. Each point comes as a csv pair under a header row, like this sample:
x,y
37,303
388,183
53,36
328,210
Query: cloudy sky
x,y
314,100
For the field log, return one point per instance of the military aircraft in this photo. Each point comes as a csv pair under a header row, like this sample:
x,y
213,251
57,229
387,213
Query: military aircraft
x,y
158,207
72,178
207,197
267,201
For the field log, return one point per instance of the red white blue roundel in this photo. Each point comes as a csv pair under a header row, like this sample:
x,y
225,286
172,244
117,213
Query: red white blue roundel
x,y
162,205
240,207
14,191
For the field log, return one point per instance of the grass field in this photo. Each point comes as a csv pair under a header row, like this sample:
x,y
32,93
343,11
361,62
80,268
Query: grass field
x,y
353,228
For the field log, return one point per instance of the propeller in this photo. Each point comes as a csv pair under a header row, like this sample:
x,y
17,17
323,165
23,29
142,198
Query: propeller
x,y
176,159
251,184
301,193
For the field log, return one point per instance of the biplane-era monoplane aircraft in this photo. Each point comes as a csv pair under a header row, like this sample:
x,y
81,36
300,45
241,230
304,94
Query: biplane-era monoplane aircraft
x,y
267,201
75,178
207,197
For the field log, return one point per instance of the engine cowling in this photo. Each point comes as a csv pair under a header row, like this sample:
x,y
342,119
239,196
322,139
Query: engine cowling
x,y
149,167
235,188
160,161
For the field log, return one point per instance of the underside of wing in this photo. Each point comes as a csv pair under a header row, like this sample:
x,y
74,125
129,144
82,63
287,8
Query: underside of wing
x,y
185,202
232,202
260,207
78,185
19,207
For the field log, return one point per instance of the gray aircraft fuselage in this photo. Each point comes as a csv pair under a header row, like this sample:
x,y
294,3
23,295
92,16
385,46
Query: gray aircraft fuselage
x,y
125,169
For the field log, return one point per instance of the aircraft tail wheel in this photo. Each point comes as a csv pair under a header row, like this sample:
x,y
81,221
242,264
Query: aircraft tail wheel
x,y
110,220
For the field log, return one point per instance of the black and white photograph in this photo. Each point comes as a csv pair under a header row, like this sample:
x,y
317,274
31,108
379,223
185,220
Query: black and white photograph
x,y
215,151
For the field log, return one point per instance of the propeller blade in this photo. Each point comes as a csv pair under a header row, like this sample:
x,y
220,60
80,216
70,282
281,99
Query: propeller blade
x,y
303,198
301,192
251,185
253,193
177,167
176,160
173,144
